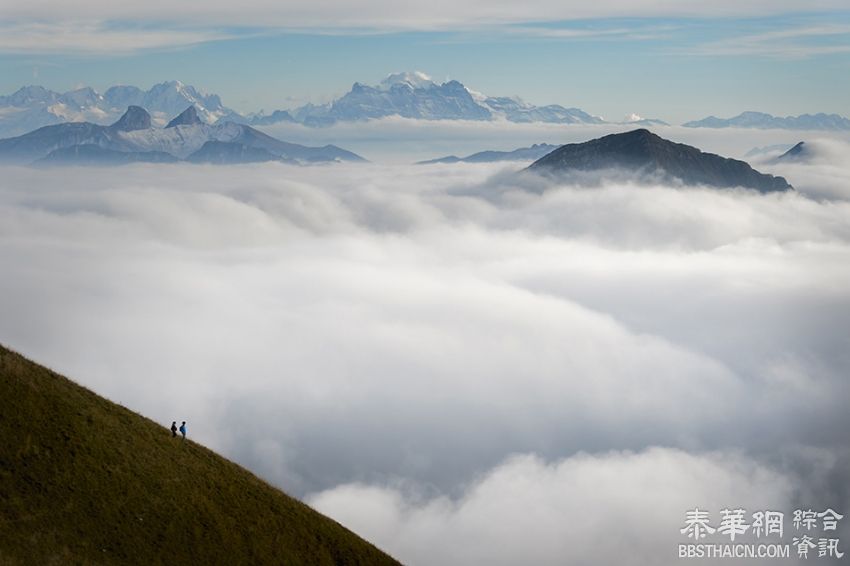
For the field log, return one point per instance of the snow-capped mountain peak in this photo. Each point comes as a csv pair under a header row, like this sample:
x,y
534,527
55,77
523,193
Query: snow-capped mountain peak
x,y
81,97
172,97
413,79
636,119
29,95
32,107
416,95
477,96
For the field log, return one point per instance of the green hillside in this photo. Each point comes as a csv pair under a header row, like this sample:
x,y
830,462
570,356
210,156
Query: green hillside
x,y
86,481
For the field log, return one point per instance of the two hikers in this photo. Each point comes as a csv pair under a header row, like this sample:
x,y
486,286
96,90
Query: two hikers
x,y
174,429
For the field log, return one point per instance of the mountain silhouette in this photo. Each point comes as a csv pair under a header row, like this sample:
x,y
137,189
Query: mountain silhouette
x,y
186,118
642,155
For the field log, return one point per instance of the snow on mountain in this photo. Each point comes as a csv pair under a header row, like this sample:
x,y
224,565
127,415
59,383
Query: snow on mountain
x,y
180,140
184,140
414,79
81,98
515,109
416,95
262,119
15,119
33,107
172,97
638,120
760,120
134,133
405,95
312,114
28,96
448,101
122,96
412,95
28,108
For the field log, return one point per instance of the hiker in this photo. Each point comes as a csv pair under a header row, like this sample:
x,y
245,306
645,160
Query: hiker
x,y
173,429
183,430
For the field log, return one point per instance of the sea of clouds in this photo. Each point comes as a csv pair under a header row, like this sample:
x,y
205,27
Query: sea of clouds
x,y
463,365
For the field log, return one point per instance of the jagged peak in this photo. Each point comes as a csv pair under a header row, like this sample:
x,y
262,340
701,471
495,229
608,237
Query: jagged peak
x,y
186,118
135,118
30,93
177,86
800,151
172,83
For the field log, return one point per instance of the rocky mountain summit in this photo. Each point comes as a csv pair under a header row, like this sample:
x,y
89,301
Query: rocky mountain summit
x,y
642,155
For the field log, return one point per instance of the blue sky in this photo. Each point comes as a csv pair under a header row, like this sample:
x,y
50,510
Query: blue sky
x,y
675,68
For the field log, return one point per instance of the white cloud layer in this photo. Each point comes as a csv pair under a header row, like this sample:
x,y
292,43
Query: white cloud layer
x,y
611,508
389,338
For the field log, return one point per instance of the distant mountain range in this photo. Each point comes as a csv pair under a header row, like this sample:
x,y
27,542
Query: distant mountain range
x,y
760,120
134,138
536,151
642,155
415,95
408,95
411,95
32,107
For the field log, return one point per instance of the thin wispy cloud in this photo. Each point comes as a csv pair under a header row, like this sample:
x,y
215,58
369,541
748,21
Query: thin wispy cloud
x,y
384,13
46,26
590,31
93,37
793,43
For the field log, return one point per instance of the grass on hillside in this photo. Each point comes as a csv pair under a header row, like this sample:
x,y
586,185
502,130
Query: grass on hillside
x,y
86,481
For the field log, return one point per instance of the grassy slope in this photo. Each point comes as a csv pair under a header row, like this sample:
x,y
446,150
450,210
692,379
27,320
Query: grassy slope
x,y
86,481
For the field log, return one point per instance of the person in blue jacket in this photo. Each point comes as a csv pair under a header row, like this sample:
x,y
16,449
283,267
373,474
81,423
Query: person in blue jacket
x,y
183,430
